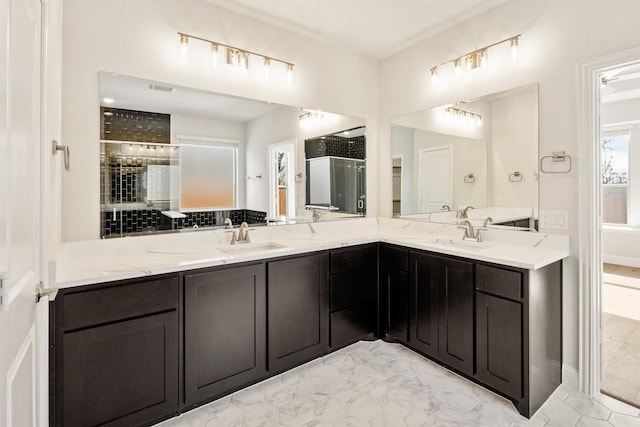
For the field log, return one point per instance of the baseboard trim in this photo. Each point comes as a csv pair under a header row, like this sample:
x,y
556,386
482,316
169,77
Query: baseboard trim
x,y
570,377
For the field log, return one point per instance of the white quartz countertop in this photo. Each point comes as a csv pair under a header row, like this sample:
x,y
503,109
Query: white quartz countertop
x,y
88,262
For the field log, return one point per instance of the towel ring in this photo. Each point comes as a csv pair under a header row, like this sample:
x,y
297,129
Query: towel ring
x,y
556,156
515,176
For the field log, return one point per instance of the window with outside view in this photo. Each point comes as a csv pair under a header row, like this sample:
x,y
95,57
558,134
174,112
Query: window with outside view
x,y
615,176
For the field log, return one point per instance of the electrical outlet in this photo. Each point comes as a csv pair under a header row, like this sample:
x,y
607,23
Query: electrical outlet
x,y
558,220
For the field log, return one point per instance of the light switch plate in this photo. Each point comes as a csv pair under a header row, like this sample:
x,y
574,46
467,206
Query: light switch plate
x,y
558,220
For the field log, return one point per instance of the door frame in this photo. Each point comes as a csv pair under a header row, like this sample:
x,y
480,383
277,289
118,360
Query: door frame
x,y
449,148
590,218
402,172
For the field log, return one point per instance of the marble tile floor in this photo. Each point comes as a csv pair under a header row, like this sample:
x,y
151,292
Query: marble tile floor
x,y
382,384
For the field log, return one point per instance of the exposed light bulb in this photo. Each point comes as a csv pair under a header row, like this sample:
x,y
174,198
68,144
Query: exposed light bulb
x,y
289,67
214,54
484,58
244,61
184,45
479,121
514,42
434,74
267,67
457,64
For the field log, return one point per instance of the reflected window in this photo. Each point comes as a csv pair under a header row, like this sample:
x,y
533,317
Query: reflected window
x,y
208,176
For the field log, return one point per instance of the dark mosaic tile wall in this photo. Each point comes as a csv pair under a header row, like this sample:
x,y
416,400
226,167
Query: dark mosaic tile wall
x,y
133,221
152,220
216,218
337,146
117,124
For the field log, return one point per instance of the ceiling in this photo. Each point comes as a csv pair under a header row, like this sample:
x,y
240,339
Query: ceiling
x,y
374,28
620,84
132,93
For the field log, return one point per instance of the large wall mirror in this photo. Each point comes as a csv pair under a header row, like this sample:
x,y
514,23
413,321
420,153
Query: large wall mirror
x,y
480,152
175,158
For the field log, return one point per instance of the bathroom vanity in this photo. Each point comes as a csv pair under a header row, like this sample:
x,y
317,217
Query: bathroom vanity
x,y
186,325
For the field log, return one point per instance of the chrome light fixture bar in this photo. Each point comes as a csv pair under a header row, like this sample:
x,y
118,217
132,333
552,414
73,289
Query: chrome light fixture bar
x,y
310,116
466,116
234,55
475,59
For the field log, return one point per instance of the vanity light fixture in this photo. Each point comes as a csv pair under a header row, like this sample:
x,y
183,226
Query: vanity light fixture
x,y
475,59
234,56
310,116
465,116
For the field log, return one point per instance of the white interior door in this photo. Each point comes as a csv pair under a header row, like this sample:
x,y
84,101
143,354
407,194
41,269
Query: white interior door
x,y
21,369
434,178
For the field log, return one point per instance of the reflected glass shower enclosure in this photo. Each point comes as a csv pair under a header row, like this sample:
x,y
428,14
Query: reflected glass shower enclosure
x,y
337,184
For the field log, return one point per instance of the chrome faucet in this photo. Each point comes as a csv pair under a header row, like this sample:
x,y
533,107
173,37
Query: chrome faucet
x,y
487,220
446,208
465,212
243,233
470,233
228,224
316,215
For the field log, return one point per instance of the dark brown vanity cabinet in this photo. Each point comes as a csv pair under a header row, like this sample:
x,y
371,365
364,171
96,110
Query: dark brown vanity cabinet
x,y
518,325
298,301
225,329
394,293
441,315
353,288
114,353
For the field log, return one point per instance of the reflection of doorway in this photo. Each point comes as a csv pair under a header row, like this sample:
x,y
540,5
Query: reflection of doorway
x,y
282,195
434,178
397,185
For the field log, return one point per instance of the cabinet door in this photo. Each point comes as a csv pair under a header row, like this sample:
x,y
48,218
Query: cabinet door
x,y
455,295
225,330
124,373
298,308
499,343
394,304
424,276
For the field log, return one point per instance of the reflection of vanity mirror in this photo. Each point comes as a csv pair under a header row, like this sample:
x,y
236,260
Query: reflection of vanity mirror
x,y
165,147
481,153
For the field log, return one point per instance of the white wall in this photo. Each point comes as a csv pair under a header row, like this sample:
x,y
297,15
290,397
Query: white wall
x,y
514,147
556,36
403,147
469,156
139,38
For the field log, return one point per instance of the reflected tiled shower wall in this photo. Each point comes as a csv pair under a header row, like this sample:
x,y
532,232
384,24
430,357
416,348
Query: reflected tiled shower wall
x,y
117,124
139,176
335,146
124,188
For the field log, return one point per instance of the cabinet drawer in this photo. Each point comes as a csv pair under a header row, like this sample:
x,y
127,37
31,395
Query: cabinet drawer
x,y
498,281
397,258
353,287
119,302
354,258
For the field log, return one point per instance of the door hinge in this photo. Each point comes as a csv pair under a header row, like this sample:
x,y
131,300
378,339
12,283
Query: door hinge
x,y
3,289
41,291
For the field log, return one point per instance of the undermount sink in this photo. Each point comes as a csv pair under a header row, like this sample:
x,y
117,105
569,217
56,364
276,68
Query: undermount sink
x,y
469,244
244,248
